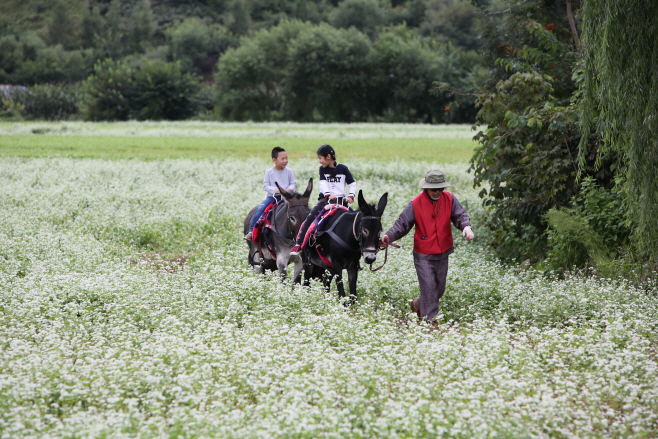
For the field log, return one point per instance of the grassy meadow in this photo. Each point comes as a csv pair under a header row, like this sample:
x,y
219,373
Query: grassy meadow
x,y
127,308
201,140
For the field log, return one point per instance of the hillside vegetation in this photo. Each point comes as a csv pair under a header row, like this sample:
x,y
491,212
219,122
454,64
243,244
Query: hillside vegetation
x,y
285,60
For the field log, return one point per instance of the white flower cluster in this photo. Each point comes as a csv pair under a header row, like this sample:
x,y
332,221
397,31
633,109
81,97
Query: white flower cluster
x,y
97,340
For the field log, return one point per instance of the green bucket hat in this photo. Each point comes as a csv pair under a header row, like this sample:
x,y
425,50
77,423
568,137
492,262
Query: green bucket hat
x,y
434,179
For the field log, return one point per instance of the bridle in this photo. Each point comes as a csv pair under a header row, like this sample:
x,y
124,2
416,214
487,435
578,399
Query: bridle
x,y
289,227
380,245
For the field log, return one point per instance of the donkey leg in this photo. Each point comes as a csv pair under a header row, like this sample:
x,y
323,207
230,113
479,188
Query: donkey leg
x,y
299,266
352,276
254,261
282,264
326,281
338,271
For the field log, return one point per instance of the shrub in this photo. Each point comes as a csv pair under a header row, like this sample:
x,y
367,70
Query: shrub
x,y
154,91
589,233
162,91
10,110
49,101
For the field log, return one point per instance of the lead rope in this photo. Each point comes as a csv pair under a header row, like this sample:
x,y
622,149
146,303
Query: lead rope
x,y
385,248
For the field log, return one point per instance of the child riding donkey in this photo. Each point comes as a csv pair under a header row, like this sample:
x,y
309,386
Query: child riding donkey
x,y
279,173
280,214
335,178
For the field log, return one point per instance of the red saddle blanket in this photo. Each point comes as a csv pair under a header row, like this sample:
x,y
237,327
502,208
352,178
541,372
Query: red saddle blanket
x,y
263,221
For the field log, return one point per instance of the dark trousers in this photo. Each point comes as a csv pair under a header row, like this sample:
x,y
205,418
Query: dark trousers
x,y
309,220
432,274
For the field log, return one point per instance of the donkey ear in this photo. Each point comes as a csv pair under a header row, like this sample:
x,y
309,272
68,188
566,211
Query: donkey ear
x,y
382,204
284,193
363,206
309,189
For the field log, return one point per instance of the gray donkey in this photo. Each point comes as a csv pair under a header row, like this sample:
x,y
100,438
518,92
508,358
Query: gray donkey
x,y
286,221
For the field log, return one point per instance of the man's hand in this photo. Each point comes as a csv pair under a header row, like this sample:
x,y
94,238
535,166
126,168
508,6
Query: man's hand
x,y
276,190
468,233
350,199
386,240
332,197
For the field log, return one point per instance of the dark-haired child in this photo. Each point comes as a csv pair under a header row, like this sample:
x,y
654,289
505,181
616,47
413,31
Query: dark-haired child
x,y
336,186
279,173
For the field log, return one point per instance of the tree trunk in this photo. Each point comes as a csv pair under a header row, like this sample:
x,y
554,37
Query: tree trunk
x,y
572,23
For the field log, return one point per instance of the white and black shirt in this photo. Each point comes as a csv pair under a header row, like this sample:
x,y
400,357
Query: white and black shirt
x,y
333,181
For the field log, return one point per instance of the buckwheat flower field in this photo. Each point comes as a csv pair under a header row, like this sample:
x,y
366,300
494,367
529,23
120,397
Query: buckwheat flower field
x,y
127,309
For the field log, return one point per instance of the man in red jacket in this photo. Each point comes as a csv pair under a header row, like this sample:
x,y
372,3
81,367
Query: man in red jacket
x,y
431,212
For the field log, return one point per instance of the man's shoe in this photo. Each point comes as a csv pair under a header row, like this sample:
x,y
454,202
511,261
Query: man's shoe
x,y
413,304
296,250
248,236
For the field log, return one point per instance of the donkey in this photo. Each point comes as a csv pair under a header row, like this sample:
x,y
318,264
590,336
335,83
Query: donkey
x,y
287,218
347,236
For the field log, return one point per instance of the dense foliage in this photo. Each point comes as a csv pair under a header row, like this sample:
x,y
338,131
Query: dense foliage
x,y
378,58
590,231
621,100
557,186
307,72
528,151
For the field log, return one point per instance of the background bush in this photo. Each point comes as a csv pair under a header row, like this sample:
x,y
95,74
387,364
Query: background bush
x,y
49,101
152,92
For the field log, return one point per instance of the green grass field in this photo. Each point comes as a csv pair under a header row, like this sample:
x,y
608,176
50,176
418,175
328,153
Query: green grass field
x,y
202,140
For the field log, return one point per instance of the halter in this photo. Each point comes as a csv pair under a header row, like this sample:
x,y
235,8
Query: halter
x,y
289,230
380,245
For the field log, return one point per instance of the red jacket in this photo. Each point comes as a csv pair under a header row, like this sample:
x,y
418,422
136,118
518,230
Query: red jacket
x,y
433,233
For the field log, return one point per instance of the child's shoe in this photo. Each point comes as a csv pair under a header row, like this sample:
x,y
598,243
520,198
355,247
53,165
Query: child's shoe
x,y
296,250
248,236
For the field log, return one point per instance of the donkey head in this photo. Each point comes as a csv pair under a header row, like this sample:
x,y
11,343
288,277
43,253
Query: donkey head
x,y
297,206
370,228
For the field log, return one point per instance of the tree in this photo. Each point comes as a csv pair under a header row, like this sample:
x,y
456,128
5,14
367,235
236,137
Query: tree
x,y
452,19
621,99
240,19
504,35
328,75
197,45
141,26
91,27
249,79
529,148
404,70
62,28
365,15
